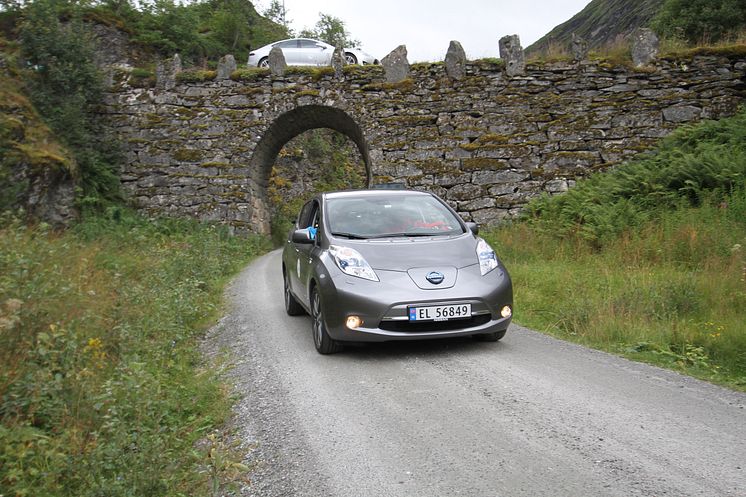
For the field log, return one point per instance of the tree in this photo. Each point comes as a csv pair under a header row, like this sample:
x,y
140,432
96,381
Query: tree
x,y
276,12
331,30
700,21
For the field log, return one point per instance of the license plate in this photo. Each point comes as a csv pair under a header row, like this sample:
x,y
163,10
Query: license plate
x,y
440,312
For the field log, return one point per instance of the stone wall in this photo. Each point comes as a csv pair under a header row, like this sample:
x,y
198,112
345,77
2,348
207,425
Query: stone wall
x,y
484,141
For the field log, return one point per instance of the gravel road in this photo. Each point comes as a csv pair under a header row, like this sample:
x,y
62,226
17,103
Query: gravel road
x,y
527,416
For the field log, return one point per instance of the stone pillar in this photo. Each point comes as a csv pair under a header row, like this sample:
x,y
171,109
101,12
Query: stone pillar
x,y
396,65
166,71
512,53
338,62
455,60
644,47
277,64
579,48
226,66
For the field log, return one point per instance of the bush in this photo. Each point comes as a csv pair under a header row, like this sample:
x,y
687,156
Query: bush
x,y
701,162
700,21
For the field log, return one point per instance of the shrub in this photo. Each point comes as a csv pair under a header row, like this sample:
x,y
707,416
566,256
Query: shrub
x,y
695,163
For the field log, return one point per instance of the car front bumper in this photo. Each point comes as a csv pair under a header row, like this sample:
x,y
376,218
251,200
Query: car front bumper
x,y
383,305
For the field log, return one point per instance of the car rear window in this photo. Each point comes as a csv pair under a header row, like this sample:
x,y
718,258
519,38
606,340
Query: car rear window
x,y
382,216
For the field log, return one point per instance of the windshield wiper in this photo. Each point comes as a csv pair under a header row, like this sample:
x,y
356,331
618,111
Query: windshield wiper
x,y
405,234
352,236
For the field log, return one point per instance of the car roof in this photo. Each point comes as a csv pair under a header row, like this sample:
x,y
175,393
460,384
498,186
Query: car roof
x,y
373,193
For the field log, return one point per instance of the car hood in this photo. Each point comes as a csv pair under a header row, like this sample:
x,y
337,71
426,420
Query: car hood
x,y
402,254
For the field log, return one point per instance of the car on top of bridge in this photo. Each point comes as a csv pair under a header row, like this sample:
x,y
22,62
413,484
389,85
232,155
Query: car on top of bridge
x,y
385,265
307,52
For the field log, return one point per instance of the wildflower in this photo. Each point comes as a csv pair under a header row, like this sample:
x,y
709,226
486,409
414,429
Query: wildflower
x,y
735,248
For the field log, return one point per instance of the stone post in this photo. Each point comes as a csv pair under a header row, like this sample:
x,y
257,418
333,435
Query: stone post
x,y
338,63
166,71
277,64
512,53
455,60
226,66
579,48
644,47
396,65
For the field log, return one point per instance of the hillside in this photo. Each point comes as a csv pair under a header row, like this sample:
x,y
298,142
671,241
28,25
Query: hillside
x,y
37,172
601,22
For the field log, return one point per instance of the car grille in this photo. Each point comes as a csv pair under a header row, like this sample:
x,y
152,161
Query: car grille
x,y
427,326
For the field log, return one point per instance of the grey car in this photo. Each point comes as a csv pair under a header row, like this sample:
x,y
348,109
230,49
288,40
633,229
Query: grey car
x,y
382,265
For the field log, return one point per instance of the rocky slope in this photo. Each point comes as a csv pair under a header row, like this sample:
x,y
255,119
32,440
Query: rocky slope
x,y
601,22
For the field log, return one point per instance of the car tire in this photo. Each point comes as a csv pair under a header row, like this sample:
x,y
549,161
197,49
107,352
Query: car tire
x,y
321,339
264,62
350,58
490,337
292,306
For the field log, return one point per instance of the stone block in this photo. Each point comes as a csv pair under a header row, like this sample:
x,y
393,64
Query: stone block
x,y
395,65
277,64
226,66
512,53
645,45
579,48
681,113
455,60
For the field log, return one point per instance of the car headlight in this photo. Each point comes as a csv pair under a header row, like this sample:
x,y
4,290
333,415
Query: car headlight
x,y
487,257
351,262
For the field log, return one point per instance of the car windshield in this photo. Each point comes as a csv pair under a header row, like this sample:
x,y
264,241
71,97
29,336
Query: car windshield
x,y
384,216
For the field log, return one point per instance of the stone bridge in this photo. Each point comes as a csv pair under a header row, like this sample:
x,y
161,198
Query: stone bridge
x,y
484,136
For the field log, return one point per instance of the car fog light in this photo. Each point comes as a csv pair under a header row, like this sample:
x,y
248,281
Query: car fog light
x,y
506,311
354,322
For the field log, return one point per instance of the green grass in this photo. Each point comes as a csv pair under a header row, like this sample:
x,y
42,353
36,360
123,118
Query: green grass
x,y
102,388
648,260
672,293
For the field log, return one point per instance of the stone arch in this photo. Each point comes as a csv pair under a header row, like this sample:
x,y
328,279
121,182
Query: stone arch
x,y
296,121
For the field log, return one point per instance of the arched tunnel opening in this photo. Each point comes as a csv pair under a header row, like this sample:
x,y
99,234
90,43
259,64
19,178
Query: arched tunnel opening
x,y
304,151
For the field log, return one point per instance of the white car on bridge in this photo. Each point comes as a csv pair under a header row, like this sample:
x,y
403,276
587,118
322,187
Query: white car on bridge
x,y
307,52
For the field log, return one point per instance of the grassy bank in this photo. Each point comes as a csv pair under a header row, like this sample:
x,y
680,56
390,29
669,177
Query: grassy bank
x,y
102,391
648,260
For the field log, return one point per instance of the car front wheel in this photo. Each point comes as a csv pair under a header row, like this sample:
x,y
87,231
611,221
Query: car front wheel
x,y
350,58
292,307
264,62
321,339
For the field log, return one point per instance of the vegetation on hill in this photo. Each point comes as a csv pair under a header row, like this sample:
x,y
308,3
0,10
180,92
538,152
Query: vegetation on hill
x,y
601,23
102,387
65,87
648,260
700,21
608,24
199,31
28,148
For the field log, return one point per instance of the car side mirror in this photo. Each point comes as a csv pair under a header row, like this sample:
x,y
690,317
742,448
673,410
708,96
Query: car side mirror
x,y
302,236
473,227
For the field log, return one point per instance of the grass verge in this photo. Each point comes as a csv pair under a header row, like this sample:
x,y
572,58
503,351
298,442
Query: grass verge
x,y
672,293
102,389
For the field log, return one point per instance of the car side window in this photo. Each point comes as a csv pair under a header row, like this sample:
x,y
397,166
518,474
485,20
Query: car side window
x,y
288,44
308,44
305,215
313,225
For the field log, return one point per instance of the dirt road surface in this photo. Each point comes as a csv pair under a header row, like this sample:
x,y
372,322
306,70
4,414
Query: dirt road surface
x,y
527,416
